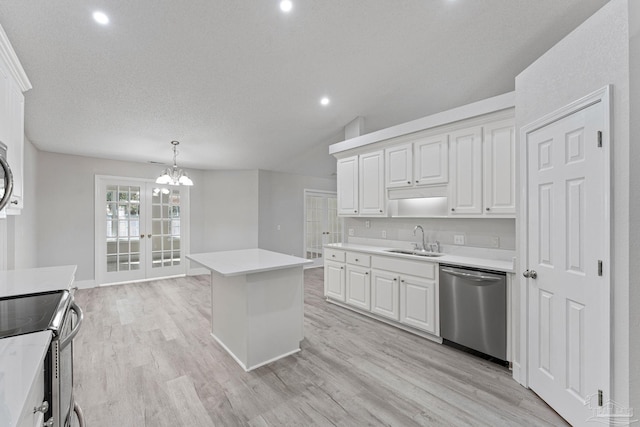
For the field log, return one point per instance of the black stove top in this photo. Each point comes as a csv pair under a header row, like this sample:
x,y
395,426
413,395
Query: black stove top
x,y
24,314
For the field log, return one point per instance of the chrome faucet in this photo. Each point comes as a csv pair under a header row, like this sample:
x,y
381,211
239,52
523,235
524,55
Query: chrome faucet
x,y
424,246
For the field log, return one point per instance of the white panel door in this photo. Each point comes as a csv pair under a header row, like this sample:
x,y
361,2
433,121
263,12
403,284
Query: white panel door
x,y
465,187
347,186
418,306
385,294
372,190
322,225
432,160
358,287
499,168
334,276
399,166
568,304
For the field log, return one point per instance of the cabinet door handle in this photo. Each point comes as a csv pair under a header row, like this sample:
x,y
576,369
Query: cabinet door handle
x,y
367,273
417,181
380,210
356,259
408,182
14,202
488,209
355,211
142,236
149,235
453,210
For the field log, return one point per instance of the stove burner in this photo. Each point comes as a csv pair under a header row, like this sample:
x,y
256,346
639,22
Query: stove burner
x,y
27,313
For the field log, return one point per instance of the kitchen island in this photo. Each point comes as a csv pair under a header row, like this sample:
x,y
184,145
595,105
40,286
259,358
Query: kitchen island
x,y
257,299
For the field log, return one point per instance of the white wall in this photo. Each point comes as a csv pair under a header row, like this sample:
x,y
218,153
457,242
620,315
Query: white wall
x,y
65,187
594,55
22,242
282,203
479,233
230,209
634,203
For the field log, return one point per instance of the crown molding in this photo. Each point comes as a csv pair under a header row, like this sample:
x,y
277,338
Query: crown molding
x,y
13,63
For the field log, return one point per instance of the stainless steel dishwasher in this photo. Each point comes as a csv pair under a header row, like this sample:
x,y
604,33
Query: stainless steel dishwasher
x,y
473,309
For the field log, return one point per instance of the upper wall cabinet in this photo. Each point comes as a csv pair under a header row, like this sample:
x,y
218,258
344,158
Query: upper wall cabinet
x,y
361,185
424,161
483,171
465,190
13,82
499,161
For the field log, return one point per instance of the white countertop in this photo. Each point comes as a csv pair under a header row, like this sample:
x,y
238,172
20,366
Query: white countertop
x,y
246,261
20,358
34,280
466,261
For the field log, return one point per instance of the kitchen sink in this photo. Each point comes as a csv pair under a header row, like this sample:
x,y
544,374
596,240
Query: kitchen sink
x,y
416,253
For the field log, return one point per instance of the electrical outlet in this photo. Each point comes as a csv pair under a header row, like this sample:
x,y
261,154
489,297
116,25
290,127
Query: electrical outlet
x,y
495,242
384,234
367,224
351,232
458,239
278,227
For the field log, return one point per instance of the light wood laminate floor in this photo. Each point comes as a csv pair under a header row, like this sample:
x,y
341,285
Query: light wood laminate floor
x,y
145,357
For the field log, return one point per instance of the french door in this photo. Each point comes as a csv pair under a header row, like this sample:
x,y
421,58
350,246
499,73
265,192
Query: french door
x,y
140,230
322,224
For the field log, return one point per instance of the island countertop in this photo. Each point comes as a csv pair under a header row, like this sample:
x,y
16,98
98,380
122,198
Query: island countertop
x,y
246,261
35,280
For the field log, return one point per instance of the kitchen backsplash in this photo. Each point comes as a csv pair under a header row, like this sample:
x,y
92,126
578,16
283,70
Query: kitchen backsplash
x,y
478,233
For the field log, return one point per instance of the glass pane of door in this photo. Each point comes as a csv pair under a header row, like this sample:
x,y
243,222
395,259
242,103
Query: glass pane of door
x,y
165,226
322,224
122,231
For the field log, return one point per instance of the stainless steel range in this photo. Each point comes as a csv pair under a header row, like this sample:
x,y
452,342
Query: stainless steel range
x,y
57,312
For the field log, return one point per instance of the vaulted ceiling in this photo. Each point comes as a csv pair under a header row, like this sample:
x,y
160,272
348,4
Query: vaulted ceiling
x,y
238,83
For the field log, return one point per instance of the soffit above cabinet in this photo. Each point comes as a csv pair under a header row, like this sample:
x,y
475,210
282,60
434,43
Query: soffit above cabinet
x,y
486,106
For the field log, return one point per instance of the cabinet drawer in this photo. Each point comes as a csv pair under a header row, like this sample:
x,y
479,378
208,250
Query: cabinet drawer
x,y
359,259
423,269
333,255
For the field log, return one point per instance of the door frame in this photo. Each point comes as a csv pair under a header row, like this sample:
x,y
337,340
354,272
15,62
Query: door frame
x,y
99,253
304,221
603,95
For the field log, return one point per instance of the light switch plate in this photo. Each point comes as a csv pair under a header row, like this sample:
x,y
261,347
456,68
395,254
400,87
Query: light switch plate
x,y
367,224
458,239
351,232
384,234
495,242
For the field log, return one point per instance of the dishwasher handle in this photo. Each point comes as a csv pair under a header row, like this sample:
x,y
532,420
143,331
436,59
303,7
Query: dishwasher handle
x,y
475,276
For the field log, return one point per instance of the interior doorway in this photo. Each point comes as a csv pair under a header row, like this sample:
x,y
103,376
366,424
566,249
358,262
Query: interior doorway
x,y
321,225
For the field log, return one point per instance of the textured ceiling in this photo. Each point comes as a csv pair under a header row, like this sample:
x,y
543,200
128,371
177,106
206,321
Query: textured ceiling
x,y
238,83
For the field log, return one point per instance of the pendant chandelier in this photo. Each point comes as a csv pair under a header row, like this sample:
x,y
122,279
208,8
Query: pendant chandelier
x,y
173,175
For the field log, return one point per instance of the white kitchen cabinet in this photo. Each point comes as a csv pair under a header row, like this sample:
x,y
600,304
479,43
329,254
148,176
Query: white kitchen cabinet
x,y
385,294
424,161
13,82
465,186
347,186
499,177
418,303
399,166
334,284
431,160
371,184
358,287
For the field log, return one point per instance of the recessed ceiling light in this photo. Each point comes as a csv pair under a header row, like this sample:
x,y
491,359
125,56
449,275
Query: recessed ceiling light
x,y
100,17
325,101
286,5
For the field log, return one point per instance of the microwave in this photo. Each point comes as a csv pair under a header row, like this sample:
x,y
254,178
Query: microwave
x,y
6,178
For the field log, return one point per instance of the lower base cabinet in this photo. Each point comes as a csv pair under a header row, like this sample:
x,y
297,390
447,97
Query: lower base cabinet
x,y
358,287
418,304
385,295
334,280
398,289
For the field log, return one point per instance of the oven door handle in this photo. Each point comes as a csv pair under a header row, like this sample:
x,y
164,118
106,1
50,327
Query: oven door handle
x,y
67,340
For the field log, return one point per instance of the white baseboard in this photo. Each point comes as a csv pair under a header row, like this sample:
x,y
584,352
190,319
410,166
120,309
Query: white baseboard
x,y
84,284
197,271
